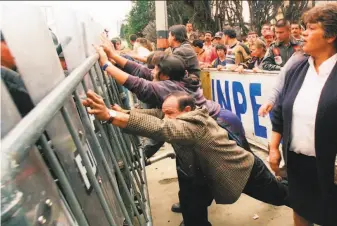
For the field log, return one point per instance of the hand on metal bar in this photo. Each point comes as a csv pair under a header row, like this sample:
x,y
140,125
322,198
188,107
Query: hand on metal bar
x,y
103,58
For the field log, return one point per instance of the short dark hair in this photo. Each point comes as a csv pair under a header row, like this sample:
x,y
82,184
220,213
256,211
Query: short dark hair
x,y
252,33
266,24
296,23
133,37
173,66
201,33
326,15
179,32
184,100
220,46
151,59
282,23
198,43
231,33
209,32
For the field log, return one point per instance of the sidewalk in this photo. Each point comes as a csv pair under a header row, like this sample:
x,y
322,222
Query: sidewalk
x,y
163,189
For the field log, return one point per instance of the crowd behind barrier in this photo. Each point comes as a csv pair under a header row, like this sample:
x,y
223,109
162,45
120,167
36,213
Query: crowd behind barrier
x,y
66,159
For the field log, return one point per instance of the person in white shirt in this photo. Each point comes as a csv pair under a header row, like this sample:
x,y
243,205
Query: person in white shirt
x,y
305,117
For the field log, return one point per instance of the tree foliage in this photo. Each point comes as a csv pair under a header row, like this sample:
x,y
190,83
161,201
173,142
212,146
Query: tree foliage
x,y
293,10
213,15
142,12
262,11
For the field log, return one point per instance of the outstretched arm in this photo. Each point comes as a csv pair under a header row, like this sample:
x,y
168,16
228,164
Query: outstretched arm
x,y
170,130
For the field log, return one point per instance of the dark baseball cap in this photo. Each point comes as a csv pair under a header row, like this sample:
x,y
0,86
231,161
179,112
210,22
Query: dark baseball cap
x,y
218,35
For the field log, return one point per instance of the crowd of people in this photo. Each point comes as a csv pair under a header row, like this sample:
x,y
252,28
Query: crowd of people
x,y
210,143
214,159
269,52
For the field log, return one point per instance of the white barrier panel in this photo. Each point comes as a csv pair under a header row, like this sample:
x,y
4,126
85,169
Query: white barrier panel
x,y
243,94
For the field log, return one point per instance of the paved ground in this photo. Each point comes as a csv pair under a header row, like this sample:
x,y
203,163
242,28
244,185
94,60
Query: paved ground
x,y
163,189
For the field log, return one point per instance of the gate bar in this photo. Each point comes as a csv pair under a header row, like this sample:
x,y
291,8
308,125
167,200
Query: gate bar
x,y
29,129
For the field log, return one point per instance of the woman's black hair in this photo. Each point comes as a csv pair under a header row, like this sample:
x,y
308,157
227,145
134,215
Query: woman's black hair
x,y
220,46
198,43
173,67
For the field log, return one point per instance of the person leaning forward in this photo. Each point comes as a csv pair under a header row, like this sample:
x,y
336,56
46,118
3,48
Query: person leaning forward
x,y
212,162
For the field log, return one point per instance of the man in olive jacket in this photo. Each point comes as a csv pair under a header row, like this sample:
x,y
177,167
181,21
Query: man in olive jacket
x,y
218,169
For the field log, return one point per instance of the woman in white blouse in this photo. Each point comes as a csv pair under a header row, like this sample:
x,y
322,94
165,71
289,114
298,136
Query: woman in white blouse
x,y
305,117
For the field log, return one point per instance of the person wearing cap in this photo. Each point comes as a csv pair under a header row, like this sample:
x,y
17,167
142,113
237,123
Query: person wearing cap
x,y
218,38
280,51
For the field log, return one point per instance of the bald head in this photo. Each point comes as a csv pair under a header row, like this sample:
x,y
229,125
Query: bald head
x,y
178,103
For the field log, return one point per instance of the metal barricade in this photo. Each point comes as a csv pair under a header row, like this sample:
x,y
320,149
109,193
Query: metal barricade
x,y
98,171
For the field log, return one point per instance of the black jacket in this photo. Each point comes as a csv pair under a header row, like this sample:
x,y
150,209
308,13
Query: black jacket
x,y
17,90
325,130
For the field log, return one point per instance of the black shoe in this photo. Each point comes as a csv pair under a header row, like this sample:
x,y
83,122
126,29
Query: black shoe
x,y
182,224
176,208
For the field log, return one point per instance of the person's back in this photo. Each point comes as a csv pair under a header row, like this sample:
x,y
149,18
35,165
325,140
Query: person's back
x,y
186,52
181,47
217,156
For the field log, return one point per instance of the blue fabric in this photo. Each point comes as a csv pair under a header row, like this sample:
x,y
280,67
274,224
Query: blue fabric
x,y
218,62
233,125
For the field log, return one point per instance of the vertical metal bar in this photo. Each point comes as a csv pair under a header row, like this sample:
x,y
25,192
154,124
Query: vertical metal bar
x,y
135,158
101,79
97,148
148,209
68,191
119,174
92,76
127,160
123,139
115,89
136,144
107,86
110,127
86,162
105,138
114,86
119,148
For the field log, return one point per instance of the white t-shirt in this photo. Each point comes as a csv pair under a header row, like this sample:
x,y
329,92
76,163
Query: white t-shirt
x,y
305,107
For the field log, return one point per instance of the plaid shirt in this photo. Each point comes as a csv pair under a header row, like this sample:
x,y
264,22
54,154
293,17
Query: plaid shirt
x,y
202,147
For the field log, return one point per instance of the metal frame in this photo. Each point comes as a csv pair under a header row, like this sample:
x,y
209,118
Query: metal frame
x,y
30,129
